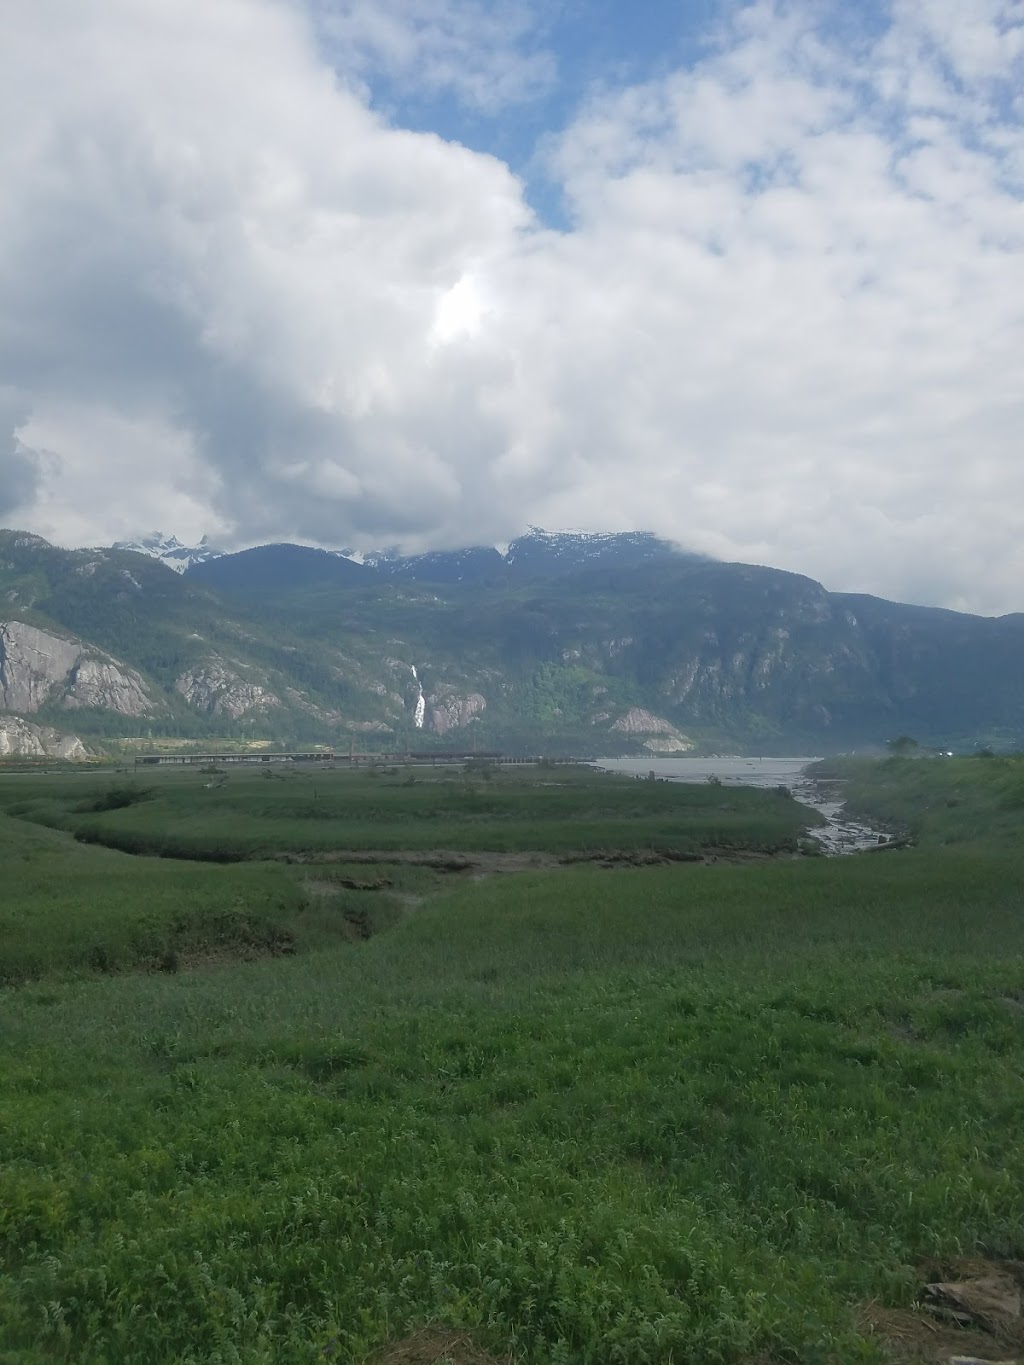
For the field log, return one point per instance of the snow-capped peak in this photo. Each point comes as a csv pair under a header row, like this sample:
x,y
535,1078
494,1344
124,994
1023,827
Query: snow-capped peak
x,y
171,551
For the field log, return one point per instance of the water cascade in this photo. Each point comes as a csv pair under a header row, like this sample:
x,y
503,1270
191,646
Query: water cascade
x,y
421,702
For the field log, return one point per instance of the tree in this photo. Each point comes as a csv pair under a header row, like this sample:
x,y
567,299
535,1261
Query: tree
x,y
902,747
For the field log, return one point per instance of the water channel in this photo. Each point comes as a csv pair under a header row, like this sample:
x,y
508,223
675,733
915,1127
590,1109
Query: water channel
x,y
839,835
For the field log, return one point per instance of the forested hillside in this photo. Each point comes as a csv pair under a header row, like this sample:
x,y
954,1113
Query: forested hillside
x,y
594,645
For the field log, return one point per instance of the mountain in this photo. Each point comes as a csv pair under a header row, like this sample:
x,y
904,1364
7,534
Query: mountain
x,y
109,640
550,554
533,557
578,644
537,555
273,568
479,564
170,551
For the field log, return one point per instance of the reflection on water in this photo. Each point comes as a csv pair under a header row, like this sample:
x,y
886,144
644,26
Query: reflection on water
x,y
839,835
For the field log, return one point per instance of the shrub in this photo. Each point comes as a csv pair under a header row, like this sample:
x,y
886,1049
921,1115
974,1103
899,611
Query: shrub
x,y
117,798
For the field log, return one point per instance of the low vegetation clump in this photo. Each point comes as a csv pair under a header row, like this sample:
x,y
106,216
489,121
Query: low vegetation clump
x,y
576,1114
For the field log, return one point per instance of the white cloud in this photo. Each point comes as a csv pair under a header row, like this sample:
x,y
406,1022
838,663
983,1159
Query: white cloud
x,y
214,238
487,56
784,326
19,465
977,43
123,474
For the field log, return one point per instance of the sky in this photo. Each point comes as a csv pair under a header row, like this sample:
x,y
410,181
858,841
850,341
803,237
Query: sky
x,y
422,273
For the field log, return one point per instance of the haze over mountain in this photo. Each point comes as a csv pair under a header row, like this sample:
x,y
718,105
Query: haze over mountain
x,y
566,643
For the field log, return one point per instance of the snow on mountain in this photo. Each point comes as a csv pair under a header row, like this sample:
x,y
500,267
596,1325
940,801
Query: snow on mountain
x,y
170,550
579,548
536,554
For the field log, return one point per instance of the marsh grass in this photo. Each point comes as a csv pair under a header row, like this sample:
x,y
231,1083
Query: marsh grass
x,y
69,908
646,1115
180,816
940,801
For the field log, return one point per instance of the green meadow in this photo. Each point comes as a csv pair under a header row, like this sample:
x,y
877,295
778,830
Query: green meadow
x,y
263,812
593,1084
938,801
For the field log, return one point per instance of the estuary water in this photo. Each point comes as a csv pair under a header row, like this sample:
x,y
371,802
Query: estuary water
x,y
838,835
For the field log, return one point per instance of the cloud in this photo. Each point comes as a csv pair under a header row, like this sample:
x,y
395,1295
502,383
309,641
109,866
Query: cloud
x,y
488,57
804,324
256,268
19,465
782,325
105,475
975,44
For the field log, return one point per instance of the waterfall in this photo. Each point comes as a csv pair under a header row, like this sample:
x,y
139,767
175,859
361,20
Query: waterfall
x,y
421,702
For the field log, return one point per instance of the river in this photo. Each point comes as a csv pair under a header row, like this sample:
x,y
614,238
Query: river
x,y
838,835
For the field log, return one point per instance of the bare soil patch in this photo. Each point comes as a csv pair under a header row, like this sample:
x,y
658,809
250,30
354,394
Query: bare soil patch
x,y
483,864
438,860
912,1337
967,1310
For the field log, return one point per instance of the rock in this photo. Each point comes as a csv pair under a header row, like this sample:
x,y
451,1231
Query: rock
x,y
327,715
32,663
668,744
447,709
109,686
37,667
664,737
637,721
980,1360
992,1302
21,739
215,688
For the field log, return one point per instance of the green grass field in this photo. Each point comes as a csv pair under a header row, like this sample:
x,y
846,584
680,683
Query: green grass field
x,y
677,1113
939,801
563,810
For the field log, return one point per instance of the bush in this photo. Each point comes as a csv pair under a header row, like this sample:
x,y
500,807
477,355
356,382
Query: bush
x,y
117,798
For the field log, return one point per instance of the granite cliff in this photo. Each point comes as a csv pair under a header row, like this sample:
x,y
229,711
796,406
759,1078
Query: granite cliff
x,y
21,739
38,668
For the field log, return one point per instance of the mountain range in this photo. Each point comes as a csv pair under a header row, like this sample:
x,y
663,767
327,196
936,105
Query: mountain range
x,y
170,550
536,555
567,643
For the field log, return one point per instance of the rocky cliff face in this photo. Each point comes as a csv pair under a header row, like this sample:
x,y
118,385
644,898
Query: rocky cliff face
x,y
110,686
660,736
21,739
447,710
32,664
216,689
37,667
